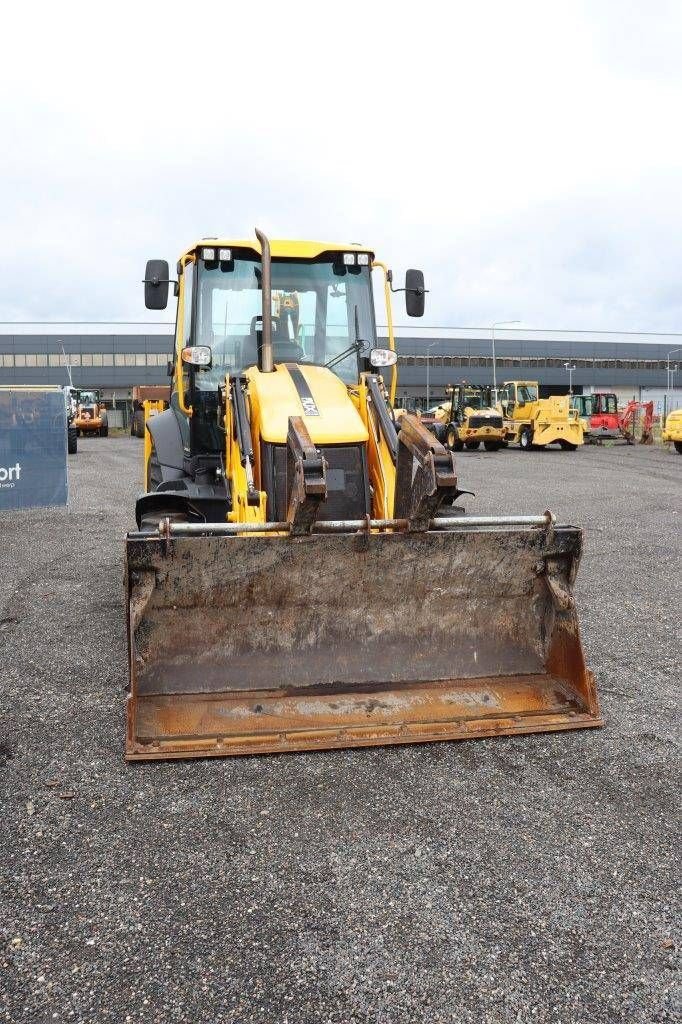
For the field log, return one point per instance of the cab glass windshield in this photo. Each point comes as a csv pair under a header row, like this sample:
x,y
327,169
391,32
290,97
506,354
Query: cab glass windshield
x,y
322,312
476,398
527,393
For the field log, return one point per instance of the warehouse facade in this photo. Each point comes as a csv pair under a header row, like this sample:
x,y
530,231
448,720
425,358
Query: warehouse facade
x,y
115,358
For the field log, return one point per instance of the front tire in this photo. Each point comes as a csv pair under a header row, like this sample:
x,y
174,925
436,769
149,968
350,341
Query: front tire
x,y
678,447
72,441
526,439
568,446
452,439
472,446
492,446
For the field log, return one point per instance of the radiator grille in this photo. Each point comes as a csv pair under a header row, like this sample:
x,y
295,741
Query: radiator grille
x,y
485,421
347,488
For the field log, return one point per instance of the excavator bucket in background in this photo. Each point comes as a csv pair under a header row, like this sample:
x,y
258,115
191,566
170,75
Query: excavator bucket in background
x,y
244,638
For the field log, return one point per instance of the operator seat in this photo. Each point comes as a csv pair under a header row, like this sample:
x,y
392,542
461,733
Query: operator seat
x,y
284,350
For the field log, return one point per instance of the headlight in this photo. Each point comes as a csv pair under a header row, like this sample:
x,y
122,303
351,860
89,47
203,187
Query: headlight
x,y
197,355
383,357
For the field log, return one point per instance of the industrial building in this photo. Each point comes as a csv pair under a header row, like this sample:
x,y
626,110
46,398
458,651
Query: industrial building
x,y
115,357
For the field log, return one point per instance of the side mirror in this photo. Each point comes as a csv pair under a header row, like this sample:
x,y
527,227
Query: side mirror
x,y
414,293
156,281
383,357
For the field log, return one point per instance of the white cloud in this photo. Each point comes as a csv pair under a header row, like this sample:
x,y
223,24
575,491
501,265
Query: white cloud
x,y
525,155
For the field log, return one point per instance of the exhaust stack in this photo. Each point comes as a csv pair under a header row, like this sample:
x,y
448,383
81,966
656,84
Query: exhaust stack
x,y
266,361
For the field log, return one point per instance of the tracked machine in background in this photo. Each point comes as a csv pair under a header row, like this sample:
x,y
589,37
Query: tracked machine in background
x,y
603,420
299,579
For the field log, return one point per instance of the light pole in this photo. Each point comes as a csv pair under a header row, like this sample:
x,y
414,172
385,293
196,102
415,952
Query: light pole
x,y
570,367
498,323
668,377
428,390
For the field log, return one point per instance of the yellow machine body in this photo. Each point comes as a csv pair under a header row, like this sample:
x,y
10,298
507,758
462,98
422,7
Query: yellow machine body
x,y
469,419
91,414
534,422
672,431
341,599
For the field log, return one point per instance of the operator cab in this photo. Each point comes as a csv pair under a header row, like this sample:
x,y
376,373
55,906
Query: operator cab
x,y
516,394
273,317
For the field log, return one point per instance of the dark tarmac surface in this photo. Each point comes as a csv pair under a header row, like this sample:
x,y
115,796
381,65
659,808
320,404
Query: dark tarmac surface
x,y
509,880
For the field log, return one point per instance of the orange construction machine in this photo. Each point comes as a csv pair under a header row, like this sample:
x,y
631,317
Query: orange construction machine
x,y
91,415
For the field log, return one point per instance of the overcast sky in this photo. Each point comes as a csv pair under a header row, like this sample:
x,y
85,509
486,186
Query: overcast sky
x,y
526,155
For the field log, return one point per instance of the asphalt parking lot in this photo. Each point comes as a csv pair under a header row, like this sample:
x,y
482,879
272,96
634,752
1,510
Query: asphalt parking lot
x,y
508,880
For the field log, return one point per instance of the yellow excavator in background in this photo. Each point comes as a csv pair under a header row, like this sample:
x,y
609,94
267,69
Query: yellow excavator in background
x,y
299,578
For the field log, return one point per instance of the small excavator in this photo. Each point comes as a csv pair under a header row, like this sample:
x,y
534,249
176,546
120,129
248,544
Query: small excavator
x,y
603,420
300,577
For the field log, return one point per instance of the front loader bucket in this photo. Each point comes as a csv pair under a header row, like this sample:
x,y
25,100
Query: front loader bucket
x,y
255,643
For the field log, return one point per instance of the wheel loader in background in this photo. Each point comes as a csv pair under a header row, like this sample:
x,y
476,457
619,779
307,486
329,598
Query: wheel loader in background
x,y
91,414
299,578
469,420
533,422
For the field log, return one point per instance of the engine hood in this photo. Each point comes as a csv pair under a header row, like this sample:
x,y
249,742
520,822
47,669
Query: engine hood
x,y
313,392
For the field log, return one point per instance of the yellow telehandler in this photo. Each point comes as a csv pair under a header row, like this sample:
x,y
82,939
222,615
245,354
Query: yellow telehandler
x,y
300,578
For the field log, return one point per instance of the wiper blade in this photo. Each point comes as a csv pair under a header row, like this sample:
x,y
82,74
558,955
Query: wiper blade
x,y
357,346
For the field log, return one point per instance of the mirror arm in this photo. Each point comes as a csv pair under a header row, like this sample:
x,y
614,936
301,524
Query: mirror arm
x,y
156,281
417,291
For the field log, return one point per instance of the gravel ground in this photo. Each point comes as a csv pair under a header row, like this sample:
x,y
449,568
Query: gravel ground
x,y
507,880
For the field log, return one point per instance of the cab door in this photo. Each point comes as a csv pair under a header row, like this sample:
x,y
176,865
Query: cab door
x,y
507,399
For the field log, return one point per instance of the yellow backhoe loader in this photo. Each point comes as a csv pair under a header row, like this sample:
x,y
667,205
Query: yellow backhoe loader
x,y
300,578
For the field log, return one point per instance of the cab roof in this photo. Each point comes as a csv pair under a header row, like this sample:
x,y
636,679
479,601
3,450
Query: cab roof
x,y
282,247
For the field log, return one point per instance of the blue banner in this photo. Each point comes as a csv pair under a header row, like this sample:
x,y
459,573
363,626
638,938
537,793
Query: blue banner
x,y
33,464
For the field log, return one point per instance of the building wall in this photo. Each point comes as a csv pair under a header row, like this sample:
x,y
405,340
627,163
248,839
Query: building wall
x,y
624,366
117,361
113,362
